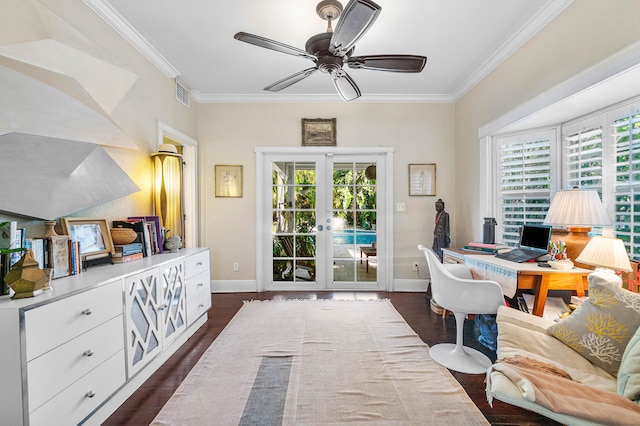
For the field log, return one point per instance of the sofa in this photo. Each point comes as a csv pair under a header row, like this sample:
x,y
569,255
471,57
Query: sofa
x,y
581,370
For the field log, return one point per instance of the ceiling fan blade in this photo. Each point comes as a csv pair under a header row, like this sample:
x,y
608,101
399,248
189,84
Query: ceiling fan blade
x,y
346,87
394,63
292,79
272,44
355,20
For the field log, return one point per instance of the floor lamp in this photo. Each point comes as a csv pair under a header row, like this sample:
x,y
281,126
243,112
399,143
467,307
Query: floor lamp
x,y
577,210
167,188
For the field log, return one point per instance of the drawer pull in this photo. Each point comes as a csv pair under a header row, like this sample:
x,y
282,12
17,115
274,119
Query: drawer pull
x,y
200,284
199,264
87,311
162,308
88,352
90,394
201,306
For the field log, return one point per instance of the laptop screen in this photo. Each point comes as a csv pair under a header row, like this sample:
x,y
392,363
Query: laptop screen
x,y
535,237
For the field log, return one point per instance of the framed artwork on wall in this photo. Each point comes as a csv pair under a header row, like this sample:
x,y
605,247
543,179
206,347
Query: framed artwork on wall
x,y
228,180
318,132
422,179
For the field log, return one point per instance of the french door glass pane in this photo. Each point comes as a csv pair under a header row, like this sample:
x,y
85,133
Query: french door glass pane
x,y
294,221
354,224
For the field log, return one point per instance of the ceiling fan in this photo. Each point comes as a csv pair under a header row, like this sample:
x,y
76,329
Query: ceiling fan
x,y
332,49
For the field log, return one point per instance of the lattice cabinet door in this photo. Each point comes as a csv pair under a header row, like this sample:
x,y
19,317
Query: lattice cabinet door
x,y
175,302
145,304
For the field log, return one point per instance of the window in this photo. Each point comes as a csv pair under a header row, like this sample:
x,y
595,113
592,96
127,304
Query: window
x,y
583,159
626,140
524,182
600,151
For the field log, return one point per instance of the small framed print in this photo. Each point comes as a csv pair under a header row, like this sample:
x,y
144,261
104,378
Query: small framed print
x,y
422,179
228,181
318,132
92,234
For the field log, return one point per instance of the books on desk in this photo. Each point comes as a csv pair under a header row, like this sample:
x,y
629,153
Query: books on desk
x,y
487,248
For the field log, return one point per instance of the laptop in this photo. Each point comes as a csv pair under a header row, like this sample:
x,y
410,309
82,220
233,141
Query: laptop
x,y
534,242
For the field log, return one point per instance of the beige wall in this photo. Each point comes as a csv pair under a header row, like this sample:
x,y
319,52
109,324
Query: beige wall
x,y
584,34
228,133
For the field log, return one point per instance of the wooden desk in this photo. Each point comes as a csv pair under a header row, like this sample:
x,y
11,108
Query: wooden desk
x,y
514,276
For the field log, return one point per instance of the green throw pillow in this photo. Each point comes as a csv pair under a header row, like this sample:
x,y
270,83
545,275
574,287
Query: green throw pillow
x,y
629,373
602,326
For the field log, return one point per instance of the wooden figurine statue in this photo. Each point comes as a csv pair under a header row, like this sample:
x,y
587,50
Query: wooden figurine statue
x,y
441,237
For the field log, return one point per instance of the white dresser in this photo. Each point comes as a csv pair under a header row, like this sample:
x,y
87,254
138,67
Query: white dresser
x,y
77,352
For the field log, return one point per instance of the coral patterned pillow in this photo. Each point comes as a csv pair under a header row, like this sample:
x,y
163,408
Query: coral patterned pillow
x,y
602,326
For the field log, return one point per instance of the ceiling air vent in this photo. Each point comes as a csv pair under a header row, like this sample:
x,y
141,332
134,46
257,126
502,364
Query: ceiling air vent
x,y
182,94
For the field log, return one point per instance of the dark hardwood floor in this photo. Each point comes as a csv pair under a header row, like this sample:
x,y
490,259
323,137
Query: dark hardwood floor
x,y
142,407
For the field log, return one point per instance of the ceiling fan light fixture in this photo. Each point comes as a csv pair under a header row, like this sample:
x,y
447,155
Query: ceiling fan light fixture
x,y
329,9
330,50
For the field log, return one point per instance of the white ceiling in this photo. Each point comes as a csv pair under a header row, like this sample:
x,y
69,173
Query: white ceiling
x,y
464,40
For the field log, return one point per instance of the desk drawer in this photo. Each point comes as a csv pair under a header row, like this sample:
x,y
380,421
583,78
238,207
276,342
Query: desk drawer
x,y
55,370
196,264
76,402
53,324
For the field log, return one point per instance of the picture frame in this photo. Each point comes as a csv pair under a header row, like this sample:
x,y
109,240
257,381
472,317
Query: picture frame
x,y
228,181
92,234
422,179
319,132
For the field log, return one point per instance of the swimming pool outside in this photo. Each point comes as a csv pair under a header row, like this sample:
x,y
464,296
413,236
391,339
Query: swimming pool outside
x,y
349,236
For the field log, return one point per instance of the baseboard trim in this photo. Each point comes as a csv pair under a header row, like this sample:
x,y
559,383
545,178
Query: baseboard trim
x,y
250,286
410,285
234,286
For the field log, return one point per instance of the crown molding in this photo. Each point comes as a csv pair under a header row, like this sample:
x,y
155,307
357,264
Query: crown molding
x,y
122,27
552,9
333,98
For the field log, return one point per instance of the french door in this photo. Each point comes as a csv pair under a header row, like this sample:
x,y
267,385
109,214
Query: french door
x,y
323,220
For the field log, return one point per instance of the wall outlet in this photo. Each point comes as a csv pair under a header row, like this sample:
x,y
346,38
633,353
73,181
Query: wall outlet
x,y
236,267
415,266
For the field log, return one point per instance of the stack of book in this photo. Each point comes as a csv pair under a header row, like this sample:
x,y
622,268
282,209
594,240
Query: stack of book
x,y
149,232
487,248
127,252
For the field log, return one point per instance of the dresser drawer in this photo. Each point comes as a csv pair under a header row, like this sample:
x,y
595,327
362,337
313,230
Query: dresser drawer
x,y
198,306
78,400
198,284
51,325
55,370
196,264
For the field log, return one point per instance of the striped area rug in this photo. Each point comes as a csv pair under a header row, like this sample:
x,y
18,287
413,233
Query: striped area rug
x,y
301,362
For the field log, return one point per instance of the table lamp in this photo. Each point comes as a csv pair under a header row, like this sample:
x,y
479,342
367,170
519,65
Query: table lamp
x,y
577,210
607,255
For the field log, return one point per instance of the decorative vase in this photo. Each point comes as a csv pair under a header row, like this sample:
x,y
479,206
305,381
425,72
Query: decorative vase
x,y
26,278
173,243
49,229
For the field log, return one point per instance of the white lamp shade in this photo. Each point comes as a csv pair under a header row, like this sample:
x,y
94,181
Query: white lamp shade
x,y
577,207
605,252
